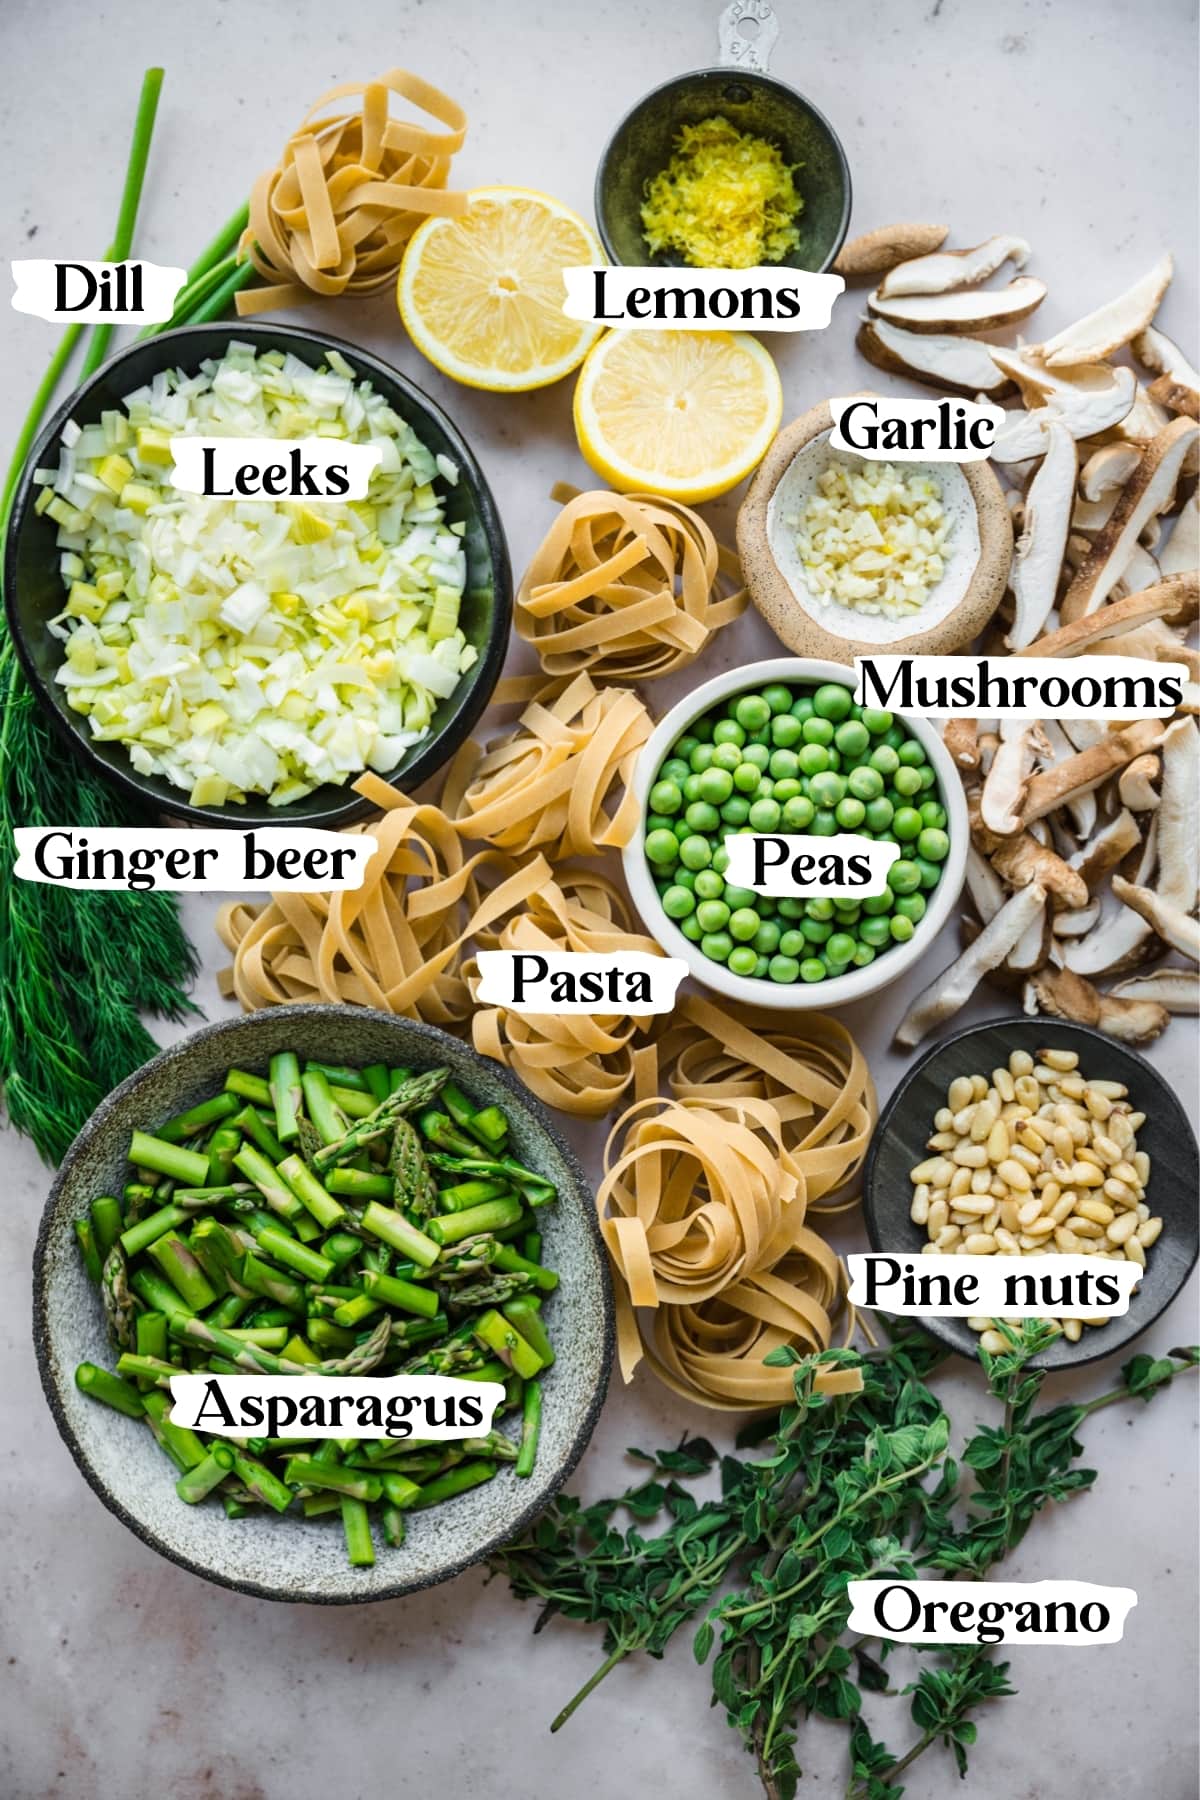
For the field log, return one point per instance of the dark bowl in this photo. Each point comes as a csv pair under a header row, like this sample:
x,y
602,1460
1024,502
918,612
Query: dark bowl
x,y
291,1558
644,141
1167,1137
33,591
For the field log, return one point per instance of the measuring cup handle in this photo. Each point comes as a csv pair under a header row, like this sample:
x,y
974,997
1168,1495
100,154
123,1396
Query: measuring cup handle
x,y
738,52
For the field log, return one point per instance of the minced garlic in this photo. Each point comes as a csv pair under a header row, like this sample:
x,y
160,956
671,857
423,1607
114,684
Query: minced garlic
x,y
873,538
726,200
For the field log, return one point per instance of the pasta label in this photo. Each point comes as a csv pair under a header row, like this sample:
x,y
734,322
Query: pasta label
x,y
845,867
565,982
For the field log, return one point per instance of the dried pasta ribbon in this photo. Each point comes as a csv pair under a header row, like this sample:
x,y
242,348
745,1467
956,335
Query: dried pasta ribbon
x,y
705,1195
545,784
333,217
396,942
580,1064
626,586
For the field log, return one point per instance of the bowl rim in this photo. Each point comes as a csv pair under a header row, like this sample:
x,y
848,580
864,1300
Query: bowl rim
x,y
752,78
43,1333
800,996
775,598
483,674
1015,1023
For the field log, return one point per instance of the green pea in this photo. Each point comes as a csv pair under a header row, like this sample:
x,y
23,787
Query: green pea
x,y
736,810
665,797
685,878
876,722
682,829
767,938
716,945
778,697
904,877
742,960
912,753
802,707
753,711
708,885
762,963
691,789
884,758
798,813
701,758
847,915
726,757
911,906
928,778
833,701
874,931
786,730
784,765
787,789
835,760
734,897
758,755
863,954
728,731
765,789
850,813
790,908
865,783
933,814
933,845
824,824
713,915
852,738
677,902
746,777
815,931
840,947
783,968
659,822
716,785
812,969
684,746
818,731
819,907
905,825
906,781
880,814
930,873
895,735
662,847
901,927
690,928
702,728
695,852
793,943
675,769
765,815
702,817
827,789
720,858
873,904
813,759
743,924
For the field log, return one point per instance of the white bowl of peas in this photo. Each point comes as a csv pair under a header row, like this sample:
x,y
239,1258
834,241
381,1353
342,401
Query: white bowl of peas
x,y
782,747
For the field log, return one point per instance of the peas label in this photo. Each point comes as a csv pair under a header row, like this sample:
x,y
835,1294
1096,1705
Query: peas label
x,y
573,981
843,868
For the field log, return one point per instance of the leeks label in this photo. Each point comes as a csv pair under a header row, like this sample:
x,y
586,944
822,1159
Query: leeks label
x,y
560,982
440,1407
1064,1613
938,1287
237,468
123,293
299,858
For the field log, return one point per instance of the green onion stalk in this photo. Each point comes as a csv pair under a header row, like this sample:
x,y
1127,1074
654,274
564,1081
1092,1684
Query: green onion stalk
x,y
79,968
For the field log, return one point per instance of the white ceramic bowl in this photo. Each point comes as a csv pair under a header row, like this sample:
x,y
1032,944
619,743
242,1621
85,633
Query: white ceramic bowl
x,y
793,996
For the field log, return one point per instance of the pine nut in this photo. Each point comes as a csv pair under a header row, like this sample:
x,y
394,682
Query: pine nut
x,y
994,1343
1134,1251
1066,1240
974,1209
1015,1175
981,1181
1041,1228
1147,1233
1064,1206
970,1156
1096,1211
985,1117
935,1169
939,1214
947,1237
977,1324
943,1119
959,1093
1121,1228
1006,1242
1141,1163
1020,1062
1097,1105
1072,1330
980,1243
962,1120
942,1140
1084,1228
979,1087
1028,1092
1031,1210
960,1183
1002,1081
1020,1154
1117,1190
918,1212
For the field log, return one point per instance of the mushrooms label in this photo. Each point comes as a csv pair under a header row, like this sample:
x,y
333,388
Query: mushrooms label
x,y
1106,687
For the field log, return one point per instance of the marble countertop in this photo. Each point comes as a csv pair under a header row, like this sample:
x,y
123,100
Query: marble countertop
x,y
1070,123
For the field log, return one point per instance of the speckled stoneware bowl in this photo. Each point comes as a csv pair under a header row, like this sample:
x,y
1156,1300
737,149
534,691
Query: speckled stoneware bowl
x,y
957,609
292,1558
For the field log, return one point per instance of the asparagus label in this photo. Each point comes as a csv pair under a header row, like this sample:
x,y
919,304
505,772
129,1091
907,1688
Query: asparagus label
x,y
573,981
144,860
288,1406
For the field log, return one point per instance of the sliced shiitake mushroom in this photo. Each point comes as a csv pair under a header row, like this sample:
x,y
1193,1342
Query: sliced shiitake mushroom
x,y
955,365
1182,551
1168,921
1038,556
1176,989
1177,598
944,270
1107,470
1177,386
954,986
875,252
1147,493
1099,333
971,309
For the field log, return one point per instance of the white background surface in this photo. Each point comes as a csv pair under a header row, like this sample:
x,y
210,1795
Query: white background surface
x,y
1070,123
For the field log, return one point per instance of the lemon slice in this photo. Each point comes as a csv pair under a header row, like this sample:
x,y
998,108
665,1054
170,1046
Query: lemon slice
x,y
481,295
684,414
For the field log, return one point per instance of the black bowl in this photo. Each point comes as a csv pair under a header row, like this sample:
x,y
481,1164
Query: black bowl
x,y
644,141
33,591
1167,1138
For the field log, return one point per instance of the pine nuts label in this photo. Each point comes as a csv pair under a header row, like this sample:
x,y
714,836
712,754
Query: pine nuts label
x,y
1063,1613
557,982
845,867
940,1287
123,293
213,862
362,1406
770,299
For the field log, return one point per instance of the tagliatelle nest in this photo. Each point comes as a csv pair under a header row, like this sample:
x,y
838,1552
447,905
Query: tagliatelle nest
x,y
704,1200
626,586
579,1063
334,215
545,784
397,941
